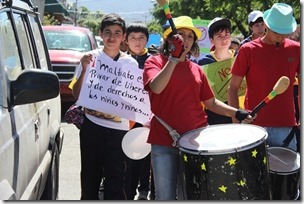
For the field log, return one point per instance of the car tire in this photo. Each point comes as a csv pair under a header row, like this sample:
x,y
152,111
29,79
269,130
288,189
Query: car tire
x,y
52,184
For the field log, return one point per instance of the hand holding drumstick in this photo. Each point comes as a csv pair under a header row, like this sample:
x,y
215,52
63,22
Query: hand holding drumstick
x,y
279,88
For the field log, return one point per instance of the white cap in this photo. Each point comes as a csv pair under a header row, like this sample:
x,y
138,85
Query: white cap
x,y
254,15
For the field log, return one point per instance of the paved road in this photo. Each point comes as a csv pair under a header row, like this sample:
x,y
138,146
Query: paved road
x,y
69,170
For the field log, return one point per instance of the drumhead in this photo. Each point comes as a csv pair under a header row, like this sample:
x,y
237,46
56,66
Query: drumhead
x,y
283,160
222,139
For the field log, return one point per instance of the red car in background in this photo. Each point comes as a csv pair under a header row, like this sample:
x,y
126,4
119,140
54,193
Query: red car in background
x,y
66,45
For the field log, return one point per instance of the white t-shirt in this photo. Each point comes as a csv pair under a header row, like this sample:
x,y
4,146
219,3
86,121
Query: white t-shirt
x,y
112,121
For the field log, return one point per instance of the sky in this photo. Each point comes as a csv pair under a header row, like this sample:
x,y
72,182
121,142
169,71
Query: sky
x,y
129,10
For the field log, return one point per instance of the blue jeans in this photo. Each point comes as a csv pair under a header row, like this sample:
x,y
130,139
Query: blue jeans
x,y
276,136
165,167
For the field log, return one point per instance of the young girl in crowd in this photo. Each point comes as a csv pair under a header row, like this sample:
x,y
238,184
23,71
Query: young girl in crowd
x,y
176,87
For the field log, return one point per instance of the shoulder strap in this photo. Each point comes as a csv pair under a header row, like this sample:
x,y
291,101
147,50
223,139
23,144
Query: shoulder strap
x,y
174,134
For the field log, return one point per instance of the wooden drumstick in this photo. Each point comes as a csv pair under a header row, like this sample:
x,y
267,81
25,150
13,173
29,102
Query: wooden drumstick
x,y
165,5
281,86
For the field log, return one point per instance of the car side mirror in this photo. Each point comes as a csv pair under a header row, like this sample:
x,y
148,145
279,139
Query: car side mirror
x,y
34,85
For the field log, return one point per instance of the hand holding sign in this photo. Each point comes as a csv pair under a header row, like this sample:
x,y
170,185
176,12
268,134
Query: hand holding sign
x,y
115,88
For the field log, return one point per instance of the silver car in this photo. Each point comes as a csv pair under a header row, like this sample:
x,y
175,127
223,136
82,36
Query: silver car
x,y
30,110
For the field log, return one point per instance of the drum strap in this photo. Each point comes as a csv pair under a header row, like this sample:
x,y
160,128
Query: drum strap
x,y
290,136
174,134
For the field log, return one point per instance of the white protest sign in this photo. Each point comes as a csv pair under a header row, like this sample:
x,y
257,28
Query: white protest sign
x,y
115,88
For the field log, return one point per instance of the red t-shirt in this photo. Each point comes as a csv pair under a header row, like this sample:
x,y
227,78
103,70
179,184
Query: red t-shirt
x,y
179,104
262,65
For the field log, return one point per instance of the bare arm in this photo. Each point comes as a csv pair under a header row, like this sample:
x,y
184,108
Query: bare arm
x,y
85,60
219,107
232,93
223,109
160,81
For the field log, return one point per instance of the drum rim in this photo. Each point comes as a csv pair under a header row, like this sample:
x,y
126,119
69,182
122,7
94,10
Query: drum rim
x,y
285,173
224,151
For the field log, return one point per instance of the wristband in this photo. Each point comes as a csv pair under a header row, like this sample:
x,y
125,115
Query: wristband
x,y
173,59
241,114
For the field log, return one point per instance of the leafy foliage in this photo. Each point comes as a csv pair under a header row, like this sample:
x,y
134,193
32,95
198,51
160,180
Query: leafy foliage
x,y
154,27
237,10
49,20
90,20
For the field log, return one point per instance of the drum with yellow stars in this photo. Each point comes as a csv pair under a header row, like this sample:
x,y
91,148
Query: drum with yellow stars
x,y
225,162
284,167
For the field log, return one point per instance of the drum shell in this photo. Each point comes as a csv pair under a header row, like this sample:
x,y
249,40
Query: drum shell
x,y
207,174
284,183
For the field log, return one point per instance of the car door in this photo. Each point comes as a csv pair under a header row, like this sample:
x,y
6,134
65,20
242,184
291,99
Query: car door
x,y
26,25
25,148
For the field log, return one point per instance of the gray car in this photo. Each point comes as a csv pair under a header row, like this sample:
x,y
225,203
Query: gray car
x,y
30,111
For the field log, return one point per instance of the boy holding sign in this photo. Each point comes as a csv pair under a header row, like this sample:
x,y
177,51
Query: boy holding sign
x,y
101,133
220,59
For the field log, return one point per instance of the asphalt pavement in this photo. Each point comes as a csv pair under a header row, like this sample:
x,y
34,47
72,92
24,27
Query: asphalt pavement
x,y
69,170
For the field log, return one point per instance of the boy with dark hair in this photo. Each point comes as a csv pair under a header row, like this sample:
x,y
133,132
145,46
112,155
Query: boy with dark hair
x,y
256,26
137,36
101,134
219,30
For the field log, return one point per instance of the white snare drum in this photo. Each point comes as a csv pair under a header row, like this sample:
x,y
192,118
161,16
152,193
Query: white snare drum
x,y
225,162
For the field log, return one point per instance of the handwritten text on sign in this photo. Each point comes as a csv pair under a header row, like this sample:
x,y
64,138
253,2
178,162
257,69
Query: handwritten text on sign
x,y
115,88
219,75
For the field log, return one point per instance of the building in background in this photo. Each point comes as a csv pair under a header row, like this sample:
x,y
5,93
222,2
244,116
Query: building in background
x,y
63,11
40,5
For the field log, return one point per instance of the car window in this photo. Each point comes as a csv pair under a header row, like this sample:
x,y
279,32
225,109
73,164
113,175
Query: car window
x,y
9,47
26,50
39,42
67,40
99,41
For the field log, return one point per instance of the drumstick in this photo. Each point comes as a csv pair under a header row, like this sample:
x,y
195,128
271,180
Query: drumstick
x,y
165,5
281,86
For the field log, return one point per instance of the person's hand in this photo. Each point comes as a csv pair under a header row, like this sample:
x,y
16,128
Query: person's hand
x,y
147,124
176,46
244,116
85,60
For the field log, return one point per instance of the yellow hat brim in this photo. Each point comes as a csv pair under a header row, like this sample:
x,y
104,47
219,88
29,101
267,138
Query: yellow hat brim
x,y
197,32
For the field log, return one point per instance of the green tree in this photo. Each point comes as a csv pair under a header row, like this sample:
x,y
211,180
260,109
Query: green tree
x,y
90,20
154,27
237,10
49,20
